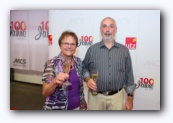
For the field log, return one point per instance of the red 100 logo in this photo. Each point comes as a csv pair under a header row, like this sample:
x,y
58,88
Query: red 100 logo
x,y
18,28
86,40
145,83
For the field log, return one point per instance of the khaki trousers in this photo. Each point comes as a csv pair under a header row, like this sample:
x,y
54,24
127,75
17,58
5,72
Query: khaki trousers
x,y
102,102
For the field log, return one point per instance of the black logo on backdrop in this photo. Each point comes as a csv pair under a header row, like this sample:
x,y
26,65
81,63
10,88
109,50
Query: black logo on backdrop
x,y
19,62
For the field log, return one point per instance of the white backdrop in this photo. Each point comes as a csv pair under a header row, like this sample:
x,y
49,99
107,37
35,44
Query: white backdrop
x,y
28,43
141,26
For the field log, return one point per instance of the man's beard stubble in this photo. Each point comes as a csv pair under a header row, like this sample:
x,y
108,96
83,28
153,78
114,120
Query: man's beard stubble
x,y
108,37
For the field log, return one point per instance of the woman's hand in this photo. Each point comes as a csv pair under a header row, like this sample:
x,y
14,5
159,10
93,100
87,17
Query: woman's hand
x,y
60,78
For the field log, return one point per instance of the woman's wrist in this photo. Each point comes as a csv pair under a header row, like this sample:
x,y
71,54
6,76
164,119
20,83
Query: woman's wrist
x,y
54,82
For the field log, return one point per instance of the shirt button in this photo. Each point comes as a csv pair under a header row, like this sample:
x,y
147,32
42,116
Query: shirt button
x,y
109,74
109,65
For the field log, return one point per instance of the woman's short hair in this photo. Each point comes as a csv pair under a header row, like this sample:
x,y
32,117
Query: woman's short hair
x,y
65,34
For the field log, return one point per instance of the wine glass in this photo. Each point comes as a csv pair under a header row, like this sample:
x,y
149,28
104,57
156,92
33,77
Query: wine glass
x,y
94,75
66,68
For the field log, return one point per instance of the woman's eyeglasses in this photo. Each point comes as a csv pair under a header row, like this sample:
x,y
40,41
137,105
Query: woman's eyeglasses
x,y
67,44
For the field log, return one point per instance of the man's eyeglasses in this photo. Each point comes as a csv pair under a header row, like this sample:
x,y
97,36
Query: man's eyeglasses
x,y
67,44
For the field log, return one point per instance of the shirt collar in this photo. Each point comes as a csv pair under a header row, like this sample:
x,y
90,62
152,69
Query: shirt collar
x,y
103,45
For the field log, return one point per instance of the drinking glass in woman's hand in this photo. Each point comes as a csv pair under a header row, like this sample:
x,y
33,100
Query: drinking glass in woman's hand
x,y
66,68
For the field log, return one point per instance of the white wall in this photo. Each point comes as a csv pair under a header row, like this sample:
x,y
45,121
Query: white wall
x,y
28,76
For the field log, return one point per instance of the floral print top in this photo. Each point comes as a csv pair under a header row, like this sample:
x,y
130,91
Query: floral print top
x,y
59,100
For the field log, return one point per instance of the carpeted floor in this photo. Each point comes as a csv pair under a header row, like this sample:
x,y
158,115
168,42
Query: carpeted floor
x,y
25,96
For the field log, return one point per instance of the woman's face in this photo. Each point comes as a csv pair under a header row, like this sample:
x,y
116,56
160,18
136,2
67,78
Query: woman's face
x,y
68,46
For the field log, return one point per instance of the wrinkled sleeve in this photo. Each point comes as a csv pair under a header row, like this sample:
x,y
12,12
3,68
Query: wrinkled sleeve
x,y
85,64
129,78
48,73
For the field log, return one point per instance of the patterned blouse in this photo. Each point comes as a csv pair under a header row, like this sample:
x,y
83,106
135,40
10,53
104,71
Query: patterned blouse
x,y
59,100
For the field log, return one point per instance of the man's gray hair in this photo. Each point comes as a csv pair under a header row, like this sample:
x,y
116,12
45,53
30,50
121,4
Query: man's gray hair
x,y
108,18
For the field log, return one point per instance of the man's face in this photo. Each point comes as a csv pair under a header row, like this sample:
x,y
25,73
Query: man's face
x,y
108,29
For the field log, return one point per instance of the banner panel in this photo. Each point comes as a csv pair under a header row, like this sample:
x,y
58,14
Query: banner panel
x,y
19,50
38,39
28,39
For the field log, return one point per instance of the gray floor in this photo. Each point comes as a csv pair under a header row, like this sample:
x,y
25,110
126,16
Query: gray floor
x,y
25,96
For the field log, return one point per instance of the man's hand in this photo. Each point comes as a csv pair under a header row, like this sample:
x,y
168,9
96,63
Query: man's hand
x,y
91,84
129,103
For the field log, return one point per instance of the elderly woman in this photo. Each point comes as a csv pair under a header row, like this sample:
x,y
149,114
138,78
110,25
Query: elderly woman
x,y
58,95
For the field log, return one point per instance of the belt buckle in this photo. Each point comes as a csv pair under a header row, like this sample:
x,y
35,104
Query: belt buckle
x,y
106,93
